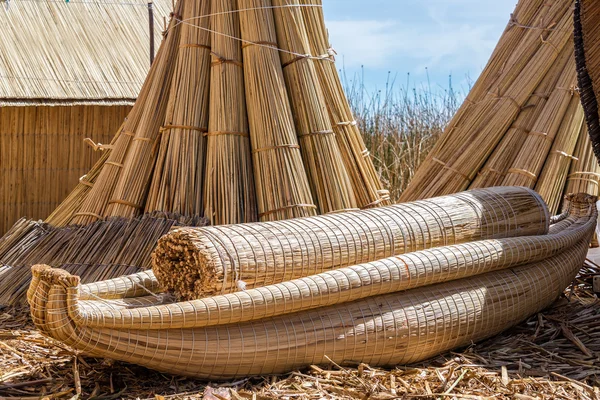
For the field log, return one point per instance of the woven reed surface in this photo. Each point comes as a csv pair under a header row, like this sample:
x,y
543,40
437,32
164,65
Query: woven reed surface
x,y
457,158
35,173
197,262
379,330
342,285
98,251
587,55
76,52
229,195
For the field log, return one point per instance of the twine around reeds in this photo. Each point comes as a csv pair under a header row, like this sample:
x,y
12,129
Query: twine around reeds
x,y
214,260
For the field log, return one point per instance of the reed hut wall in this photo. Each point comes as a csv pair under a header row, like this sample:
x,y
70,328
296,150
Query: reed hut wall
x,y
43,154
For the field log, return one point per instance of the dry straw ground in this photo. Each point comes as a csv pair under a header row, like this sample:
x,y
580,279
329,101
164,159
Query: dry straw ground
x,y
553,355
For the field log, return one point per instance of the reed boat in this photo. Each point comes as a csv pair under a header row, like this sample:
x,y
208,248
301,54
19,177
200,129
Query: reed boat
x,y
388,311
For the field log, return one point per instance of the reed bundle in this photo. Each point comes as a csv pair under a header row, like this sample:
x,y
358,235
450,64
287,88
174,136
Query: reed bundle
x,y
282,188
95,205
584,176
587,55
380,330
553,177
533,153
97,251
501,160
229,196
366,184
212,260
459,155
177,181
329,181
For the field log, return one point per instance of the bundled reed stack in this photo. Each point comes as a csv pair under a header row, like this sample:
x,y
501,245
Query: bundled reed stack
x,y
587,55
237,122
229,195
424,302
285,193
522,120
330,183
366,184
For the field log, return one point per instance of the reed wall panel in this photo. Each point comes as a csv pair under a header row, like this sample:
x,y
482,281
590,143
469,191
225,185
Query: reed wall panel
x,y
43,154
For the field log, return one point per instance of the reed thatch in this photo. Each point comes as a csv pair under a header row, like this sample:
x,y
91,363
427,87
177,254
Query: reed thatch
x,y
213,260
73,75
380,330
522,119
587,48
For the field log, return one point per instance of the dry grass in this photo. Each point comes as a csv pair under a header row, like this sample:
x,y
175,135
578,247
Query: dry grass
x,y
553,355
400,125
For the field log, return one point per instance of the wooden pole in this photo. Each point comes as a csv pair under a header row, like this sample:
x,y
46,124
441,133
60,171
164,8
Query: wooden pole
x,y
151,29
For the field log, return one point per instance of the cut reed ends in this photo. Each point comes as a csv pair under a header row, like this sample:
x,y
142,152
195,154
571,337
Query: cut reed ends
x,y
199,262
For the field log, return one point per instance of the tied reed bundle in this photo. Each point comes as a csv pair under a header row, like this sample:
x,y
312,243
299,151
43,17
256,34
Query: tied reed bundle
x,y
556,168
587,55
229,194
501,160
459,155
366,183
329,181
131,188
206,261
282,188
146,111
447,315
530,160
178,176
584,176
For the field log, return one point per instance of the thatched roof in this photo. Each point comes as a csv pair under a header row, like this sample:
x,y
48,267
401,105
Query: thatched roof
x,y
81,51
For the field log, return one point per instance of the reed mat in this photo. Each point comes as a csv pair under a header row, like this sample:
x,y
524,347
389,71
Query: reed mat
x,y
545,357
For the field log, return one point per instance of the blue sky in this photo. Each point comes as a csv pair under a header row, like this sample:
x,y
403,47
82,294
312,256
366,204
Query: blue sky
x,y
438,37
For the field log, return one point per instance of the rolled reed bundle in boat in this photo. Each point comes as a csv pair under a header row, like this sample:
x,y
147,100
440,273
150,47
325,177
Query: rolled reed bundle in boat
x,y
587,55
584,176
343,285
145,109
495,168
327,176
553,177
212,260
366,184
531,156
282,188
229,193
381,330
177,177
458,156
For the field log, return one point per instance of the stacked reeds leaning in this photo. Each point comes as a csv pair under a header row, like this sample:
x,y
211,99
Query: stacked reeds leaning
x,y
521,121
385,312
242,118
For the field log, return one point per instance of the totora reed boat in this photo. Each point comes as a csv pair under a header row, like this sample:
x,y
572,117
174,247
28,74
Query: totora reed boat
x,y
386,309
